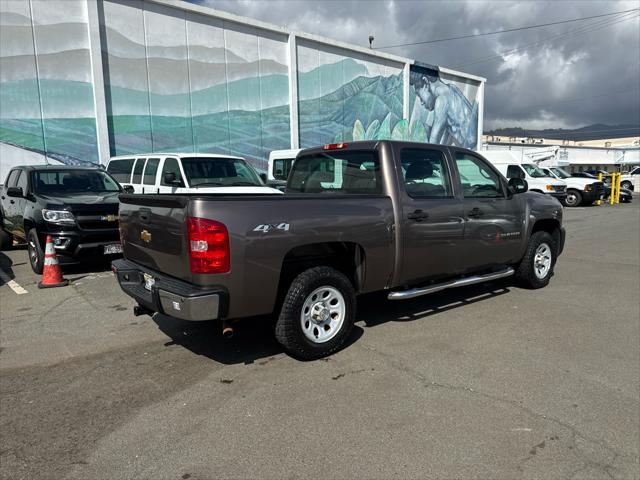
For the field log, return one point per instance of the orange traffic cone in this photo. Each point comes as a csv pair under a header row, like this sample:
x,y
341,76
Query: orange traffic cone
x,y
51,275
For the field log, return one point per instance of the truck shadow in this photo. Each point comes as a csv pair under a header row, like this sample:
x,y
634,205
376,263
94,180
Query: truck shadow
x,y
375,309
6,265
253,340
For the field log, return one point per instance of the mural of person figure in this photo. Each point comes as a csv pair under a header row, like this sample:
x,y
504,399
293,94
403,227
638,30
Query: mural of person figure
x,y
454,117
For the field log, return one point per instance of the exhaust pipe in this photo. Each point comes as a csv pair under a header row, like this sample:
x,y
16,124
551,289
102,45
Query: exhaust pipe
x,y
227,330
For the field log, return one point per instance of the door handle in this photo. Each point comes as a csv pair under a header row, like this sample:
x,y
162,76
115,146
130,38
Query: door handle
x,y
476,213
418,215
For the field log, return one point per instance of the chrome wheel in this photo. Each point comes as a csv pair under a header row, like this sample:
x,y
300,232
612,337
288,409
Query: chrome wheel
x,y
33,252
322,315
571,199
542,261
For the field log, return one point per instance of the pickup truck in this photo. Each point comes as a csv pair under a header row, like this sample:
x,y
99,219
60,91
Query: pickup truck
x,y
408,218
77,206
580,191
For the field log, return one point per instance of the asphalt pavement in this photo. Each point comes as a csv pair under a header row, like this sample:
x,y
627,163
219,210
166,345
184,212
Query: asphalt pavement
x,y
490,381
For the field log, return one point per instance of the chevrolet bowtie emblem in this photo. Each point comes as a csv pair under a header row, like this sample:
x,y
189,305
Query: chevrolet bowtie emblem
x,y
109,218
145,236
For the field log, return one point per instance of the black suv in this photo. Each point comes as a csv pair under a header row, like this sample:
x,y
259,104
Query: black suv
x,y
77,206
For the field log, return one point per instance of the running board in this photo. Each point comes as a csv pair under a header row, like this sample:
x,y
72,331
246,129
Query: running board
x,y
462,282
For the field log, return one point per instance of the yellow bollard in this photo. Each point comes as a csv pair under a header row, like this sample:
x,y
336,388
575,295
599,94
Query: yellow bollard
x,y
618,180
612,195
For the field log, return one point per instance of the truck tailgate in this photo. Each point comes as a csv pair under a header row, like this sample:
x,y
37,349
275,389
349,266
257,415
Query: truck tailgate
x,y
154,232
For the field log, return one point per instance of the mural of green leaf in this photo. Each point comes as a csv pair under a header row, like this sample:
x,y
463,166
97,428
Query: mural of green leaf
x,y
384,132
372,130
419,134
358,131
401,130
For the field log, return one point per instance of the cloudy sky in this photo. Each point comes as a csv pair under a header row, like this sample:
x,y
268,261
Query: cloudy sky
x,y
560,76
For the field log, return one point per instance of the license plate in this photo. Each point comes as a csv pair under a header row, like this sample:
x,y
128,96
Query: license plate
x,y
149,281
113,248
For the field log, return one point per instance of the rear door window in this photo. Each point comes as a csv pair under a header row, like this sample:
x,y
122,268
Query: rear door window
x,y
137,171
425,173
150,171
121,169
343,172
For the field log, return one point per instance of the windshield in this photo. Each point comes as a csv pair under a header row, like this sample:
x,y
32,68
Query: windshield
x,y
219,172
73,181
560,173
533,171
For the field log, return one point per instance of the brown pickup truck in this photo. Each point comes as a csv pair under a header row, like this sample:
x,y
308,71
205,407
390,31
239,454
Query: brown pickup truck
x,y
403,217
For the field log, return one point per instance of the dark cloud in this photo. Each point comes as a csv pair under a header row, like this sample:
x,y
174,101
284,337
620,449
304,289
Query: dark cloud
x,y
589,73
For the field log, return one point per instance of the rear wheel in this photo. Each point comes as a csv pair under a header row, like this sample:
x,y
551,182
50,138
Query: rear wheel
x,y
317,313
574,198
626,184
536,267
34,249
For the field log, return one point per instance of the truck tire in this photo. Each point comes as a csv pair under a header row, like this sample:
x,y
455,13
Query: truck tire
x,y
573,199
35,252
6,240
536,267
317,313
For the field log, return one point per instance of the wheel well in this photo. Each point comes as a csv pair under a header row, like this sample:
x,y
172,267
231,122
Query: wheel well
x,y
346,257
536,190
549,225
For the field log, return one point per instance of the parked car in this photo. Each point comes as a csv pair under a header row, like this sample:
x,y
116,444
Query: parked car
x,y
179,173
580,190
626,195
77,206
510,165
408,218
627,179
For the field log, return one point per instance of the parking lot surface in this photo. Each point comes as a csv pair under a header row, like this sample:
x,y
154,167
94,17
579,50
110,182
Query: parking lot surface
x,y
490,381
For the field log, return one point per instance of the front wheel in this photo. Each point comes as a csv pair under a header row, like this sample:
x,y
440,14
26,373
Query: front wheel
x,y
536,267
626,184
573,199
34,249
317,314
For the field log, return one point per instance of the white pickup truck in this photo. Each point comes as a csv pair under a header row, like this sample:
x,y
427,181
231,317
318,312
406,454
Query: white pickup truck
x,y
580,190
180,173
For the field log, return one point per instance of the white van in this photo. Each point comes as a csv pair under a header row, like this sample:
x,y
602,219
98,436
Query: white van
x,y
187,173
280,162
512,166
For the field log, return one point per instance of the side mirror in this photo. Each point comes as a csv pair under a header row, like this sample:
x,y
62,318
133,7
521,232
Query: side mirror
x,y
170,179
128,189
264,178
518,185
15,192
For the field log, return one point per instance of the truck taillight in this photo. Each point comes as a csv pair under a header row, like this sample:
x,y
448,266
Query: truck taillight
x,y
208,246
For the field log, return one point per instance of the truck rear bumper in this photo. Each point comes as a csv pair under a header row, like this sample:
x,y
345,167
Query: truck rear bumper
x,y
168,295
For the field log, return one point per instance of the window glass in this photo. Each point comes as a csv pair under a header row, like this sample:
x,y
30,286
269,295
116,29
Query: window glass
x,y
121,169
213,172
514,171
150,171
534,171
137,171
561,173
62,181
11,178
425,173
478,179
349,172
282,167
171,166
22,181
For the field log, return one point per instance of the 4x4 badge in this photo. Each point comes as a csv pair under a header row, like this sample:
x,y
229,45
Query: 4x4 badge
x,y
145,236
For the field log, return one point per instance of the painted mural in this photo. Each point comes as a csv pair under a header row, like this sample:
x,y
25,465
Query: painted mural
x,y
46,96
443,109
347,97
193,83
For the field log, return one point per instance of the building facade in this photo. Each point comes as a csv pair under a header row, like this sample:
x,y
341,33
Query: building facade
x,y
83,80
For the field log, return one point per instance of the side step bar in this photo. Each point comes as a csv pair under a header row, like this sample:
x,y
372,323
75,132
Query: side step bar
x,y
418,292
